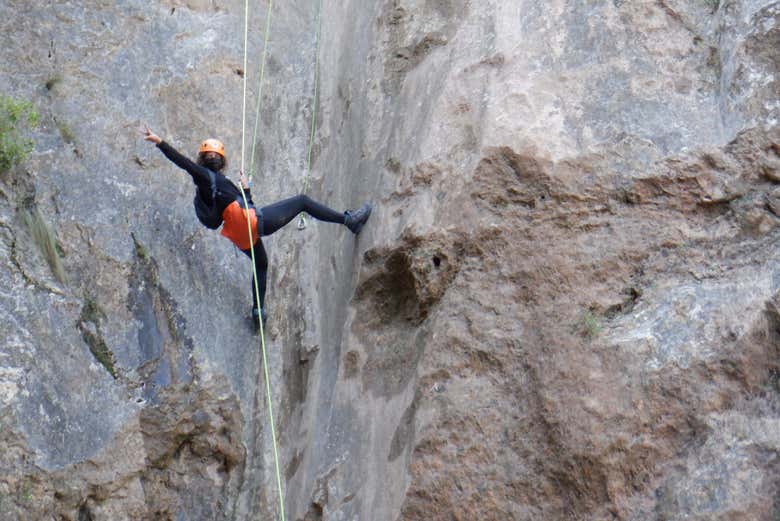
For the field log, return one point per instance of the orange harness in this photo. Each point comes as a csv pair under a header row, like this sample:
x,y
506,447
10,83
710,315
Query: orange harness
x,y
235,227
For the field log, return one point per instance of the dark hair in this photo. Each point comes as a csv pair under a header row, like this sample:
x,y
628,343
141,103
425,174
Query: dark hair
x,y
214,164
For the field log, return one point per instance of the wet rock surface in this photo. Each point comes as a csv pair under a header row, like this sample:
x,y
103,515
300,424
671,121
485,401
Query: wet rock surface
x,y
564,306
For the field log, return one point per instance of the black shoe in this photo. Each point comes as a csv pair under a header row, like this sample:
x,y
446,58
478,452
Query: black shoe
x,y
255,316
355,220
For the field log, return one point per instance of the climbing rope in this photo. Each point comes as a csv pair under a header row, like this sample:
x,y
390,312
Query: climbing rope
x,y
243,106
249,226
302,220
259,84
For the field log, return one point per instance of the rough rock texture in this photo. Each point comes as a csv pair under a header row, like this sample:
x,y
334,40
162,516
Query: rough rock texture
x,y
566,304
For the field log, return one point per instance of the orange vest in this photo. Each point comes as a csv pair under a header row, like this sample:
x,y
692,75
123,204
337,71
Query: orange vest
x,y
235,227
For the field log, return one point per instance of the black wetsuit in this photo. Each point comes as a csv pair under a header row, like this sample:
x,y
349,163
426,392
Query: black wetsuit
x,y
270,218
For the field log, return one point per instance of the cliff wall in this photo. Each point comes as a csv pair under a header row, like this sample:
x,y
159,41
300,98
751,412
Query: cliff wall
x,y
565,305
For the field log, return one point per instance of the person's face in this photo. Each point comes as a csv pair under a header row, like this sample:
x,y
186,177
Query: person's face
x,y
212,160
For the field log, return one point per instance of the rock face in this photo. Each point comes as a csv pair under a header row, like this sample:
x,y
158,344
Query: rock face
x,y
566,304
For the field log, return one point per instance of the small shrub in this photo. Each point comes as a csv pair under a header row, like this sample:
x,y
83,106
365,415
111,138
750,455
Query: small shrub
x,y
43,237
66,132
89,324
16,119
712,4
591,325
26,492
140,249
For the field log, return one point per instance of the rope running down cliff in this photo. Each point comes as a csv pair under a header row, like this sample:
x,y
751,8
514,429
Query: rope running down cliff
x,y
249,224
302,221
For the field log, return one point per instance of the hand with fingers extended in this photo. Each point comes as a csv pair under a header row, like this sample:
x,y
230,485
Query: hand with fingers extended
x,y
149,135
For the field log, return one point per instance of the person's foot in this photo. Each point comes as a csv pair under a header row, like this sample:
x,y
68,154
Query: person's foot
x,y
256,316
355,220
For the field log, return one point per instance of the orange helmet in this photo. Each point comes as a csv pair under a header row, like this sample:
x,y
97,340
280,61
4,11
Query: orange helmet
x,y
212,145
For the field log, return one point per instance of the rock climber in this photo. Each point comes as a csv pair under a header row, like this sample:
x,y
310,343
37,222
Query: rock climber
x,y
219,202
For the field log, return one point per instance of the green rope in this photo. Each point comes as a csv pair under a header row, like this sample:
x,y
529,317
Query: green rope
x,y
316,98
260,87
302,221
265,362
249,232
243,108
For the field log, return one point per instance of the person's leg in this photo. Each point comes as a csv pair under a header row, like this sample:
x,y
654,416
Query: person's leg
x,y
261,266
278,214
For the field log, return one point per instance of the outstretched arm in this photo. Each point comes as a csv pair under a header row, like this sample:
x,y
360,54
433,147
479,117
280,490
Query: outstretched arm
x,y
200,175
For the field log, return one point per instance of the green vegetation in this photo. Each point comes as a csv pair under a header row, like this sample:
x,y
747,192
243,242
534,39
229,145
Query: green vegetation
x,y
43,237
16,119
26,492
65,131
140,249
591,325
712,4
92,314
102,354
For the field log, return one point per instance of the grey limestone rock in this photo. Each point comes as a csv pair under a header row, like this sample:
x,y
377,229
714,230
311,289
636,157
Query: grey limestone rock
x,y
564,305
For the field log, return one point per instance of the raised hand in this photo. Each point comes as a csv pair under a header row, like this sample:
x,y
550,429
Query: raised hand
x,y
149,135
